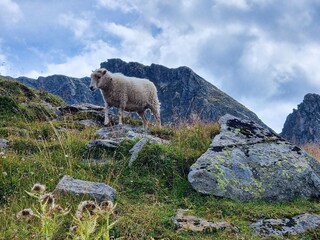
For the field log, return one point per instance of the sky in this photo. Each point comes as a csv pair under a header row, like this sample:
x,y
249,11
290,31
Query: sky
x,y
263,53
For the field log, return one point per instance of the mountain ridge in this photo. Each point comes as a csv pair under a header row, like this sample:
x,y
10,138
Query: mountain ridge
x,y
184,95
302,126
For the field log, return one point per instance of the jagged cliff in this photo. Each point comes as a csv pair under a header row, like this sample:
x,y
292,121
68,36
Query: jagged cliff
x,y
183,94
303,124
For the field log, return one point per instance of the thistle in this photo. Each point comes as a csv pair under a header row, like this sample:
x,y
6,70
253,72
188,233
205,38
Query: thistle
x,y
38,188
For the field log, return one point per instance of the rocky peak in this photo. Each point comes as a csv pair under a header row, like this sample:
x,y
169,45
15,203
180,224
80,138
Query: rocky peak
x,y
183,94
303,124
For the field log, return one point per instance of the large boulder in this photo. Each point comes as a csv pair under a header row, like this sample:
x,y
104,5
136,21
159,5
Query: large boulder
x,y
246,161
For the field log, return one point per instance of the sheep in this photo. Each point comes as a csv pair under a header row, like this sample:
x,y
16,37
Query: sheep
x,y
127,94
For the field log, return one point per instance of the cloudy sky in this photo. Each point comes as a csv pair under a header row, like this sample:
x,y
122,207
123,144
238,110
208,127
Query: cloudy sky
x,y
263,53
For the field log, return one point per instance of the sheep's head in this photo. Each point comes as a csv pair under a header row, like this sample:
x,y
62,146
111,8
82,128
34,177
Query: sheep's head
x,y
97,77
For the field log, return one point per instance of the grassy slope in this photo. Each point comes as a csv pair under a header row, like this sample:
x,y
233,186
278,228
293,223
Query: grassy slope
x,y
148,194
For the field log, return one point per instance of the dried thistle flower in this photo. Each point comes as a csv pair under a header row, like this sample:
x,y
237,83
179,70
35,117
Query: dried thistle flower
x,y
107,206
38,188
47,198
26,213
89,207
73,228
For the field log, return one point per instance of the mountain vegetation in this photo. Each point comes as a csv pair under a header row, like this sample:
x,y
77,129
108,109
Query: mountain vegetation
x,y
43,146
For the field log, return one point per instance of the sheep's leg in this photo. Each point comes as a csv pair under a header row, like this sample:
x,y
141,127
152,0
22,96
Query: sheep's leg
x,y
106,115
120,114
156,114
144,119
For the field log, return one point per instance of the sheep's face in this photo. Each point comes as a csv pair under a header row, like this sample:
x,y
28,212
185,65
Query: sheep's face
x,y
96,79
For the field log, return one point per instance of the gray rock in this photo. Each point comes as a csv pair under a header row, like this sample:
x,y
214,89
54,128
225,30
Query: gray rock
x,y
3,143
303,124
136,149
99,191
296,225
113,136
103,143
246,161
192,223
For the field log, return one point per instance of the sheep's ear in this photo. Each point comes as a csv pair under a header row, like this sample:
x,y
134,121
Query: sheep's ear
x,y
104,71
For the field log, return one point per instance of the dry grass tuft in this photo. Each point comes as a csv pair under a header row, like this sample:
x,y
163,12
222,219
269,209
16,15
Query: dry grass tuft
x,y
313,149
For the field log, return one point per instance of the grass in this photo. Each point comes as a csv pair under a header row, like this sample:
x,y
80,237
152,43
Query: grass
x,y
148,194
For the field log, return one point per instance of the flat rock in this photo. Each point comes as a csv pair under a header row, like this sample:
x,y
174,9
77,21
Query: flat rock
x,y
295,225
73,108
98,191
103,143
246,161
3,143
192,223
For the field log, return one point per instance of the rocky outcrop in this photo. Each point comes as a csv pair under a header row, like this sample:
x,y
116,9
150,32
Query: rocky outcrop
x,y
111,137
303,124
192,223
246,161
99,191
183,94
296,225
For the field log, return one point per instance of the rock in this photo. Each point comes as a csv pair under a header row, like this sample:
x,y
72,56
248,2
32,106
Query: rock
x,y
187,222
296,225
303,124
3,143
246,161
81,107
136,149
103,143
113,136
99,191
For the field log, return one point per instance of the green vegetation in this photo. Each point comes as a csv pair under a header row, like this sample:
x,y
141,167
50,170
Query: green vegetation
x,y
148,194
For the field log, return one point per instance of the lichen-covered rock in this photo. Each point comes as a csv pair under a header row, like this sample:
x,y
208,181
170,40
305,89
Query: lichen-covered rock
x,y
296,225
192,223
246,161
99,191
3,143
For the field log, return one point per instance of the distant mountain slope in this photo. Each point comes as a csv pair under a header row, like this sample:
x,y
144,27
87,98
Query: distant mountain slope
x,y
72,90
183,94
303,124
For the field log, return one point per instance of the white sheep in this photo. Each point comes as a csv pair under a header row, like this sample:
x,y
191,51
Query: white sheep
x,y
126,93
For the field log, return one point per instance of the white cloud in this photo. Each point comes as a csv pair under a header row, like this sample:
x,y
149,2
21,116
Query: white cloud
x,y
79,26
10,12
239,4
123,5
80,65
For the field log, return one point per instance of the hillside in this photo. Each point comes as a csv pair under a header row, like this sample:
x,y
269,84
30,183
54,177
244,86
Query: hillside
x,y
20,102
183,94
149,193
302,126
